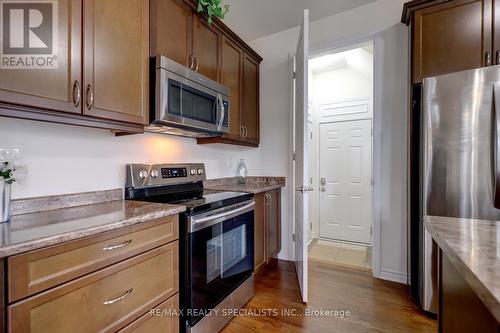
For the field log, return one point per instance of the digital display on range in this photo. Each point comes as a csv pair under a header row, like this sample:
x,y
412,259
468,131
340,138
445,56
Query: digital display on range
x,y
173,172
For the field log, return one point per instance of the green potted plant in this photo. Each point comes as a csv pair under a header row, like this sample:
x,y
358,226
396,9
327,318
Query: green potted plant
x,y
212,8
7,177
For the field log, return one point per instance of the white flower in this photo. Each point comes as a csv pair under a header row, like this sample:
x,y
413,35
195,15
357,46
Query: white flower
x,y
9,155
8,170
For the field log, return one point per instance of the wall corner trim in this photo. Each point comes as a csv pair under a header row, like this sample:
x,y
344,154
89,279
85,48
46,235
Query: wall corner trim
x,y
389,275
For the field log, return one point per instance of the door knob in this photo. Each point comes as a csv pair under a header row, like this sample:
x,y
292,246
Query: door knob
x,y
323,189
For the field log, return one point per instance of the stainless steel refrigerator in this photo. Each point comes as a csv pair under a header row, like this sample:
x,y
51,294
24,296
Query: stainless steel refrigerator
x,y
461,163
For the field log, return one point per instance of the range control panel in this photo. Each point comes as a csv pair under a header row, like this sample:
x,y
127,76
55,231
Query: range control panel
x,y
173,172
147,175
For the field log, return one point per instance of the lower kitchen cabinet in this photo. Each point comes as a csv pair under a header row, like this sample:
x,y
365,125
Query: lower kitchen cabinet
x,y
103,283
460,308
267,227
273,219
162,319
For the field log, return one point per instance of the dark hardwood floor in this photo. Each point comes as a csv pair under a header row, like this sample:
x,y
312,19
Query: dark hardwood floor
x,y
374,305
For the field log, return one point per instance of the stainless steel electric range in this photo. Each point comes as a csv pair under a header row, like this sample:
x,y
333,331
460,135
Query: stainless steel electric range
x,y
216,244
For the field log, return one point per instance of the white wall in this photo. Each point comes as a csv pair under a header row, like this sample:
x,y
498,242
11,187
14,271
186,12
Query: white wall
x,y
391,63
340,85
336,30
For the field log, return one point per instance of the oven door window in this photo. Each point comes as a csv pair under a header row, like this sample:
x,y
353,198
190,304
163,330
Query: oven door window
x,y
187,102
221,259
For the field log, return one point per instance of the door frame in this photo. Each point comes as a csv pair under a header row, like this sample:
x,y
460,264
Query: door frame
x,y
349,43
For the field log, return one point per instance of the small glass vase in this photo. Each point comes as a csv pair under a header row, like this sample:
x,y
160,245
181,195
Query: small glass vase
x,y
242,172
4,201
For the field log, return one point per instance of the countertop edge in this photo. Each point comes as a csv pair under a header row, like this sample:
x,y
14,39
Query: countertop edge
x,y
489,300
57,239
234,189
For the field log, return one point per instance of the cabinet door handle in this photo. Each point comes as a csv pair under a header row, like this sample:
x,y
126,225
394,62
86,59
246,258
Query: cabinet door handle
x,y
241,131
487,59
119,298
246,132
189,62
77,93
90,97
497,56
116,246
195,59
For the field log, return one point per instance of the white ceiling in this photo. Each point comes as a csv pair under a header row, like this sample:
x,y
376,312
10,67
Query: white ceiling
x,y
252,19
359,59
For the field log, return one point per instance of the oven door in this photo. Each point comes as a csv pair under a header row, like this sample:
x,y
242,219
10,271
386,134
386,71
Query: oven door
x,y
221,256
188,104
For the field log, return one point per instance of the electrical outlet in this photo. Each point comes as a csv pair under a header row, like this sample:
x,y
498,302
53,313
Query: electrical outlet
x,y
229,163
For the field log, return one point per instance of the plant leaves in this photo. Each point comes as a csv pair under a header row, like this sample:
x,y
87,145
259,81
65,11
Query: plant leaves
x,y
212,8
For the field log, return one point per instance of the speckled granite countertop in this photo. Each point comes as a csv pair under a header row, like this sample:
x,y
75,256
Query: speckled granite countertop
x,y
253,184
474,248
102,211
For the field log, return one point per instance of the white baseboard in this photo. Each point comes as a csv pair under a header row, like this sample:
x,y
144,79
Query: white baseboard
x,y
389,275
283,255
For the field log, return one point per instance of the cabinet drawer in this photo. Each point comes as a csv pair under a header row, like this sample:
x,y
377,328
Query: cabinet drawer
x,y
164,320
103,301
39,270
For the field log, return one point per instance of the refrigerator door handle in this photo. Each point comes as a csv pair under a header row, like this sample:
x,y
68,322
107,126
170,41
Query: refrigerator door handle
x,y
495,158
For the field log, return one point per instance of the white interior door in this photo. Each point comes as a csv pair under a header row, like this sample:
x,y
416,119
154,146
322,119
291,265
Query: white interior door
x,y
301,156
345,180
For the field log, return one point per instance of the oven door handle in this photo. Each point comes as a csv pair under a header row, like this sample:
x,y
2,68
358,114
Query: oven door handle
x,y
203,221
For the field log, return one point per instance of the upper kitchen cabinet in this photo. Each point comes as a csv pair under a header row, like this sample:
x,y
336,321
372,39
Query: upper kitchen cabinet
x,y
450,36
116,59
56,83
250,111
496,33
171,24
205,48
232,77
182,34
178,33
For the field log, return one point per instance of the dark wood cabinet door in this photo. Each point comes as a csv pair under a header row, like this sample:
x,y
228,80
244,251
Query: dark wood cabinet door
x,y
116,60
171,30
260,231
55,88
205,48
496,32
250,107
273,221
232,77
451,37
460,308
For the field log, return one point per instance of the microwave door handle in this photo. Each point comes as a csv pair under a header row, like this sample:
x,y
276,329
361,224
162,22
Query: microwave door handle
x,y
222,111
495,159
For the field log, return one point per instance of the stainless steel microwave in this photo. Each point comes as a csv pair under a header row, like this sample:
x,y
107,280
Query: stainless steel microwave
x,y
187,103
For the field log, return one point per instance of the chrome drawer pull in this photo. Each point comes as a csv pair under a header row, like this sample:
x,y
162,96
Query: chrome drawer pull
x,y
116,246
111,301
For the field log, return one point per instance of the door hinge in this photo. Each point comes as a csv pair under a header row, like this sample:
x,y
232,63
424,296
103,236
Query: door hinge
x,y
371,231
293,156
293,238
372,182
294,74
311,226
